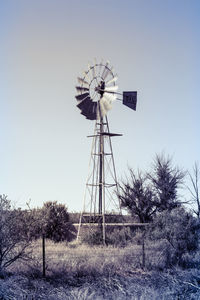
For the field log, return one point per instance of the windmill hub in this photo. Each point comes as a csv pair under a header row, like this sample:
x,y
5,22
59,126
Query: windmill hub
x,y
93,90
101,87
98,80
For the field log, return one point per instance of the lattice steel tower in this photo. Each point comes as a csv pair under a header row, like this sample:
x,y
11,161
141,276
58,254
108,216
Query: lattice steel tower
x,y
96,92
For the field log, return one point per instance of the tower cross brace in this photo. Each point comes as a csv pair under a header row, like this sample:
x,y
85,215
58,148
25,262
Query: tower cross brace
x,y
100,192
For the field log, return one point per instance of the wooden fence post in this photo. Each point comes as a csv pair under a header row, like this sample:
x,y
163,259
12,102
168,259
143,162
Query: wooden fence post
x,y
43,256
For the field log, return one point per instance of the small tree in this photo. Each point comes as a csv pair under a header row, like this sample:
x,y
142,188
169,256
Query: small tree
x,y
14,240
55,222
194,189
136,196
166,179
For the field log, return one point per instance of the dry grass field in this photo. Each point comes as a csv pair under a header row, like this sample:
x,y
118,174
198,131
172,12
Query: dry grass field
x,y
81,272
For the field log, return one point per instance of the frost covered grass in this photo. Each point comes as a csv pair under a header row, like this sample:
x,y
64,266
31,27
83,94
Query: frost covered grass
x,y
81,272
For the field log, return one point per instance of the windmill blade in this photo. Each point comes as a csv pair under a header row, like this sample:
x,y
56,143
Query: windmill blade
x,y
101,112
106,103
105,71
113,88
91,117
89,68
95,108
92,111
86,76
105,106
82,81
100,67
92,114
114,79
108,71
88,108
88,111
89,71
83,105
98,114
109,103
103,109
82,96
110,97
102,75
81,89
94,73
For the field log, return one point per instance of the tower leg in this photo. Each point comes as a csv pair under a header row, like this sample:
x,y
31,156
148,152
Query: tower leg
x,y
102,181
99,198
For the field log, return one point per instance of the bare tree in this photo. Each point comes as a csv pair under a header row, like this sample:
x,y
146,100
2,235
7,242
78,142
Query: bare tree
x,y
194,189
14,240
143,195
136,196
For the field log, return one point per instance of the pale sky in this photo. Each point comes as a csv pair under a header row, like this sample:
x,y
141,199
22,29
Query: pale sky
x,y
154,46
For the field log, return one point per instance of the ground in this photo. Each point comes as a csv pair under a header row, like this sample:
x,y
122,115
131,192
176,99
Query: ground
x,y
82,272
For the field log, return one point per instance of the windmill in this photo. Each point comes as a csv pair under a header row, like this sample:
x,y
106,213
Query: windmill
x,y
97,90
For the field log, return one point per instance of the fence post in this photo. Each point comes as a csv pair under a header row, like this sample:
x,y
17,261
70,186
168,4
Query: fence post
x,y
143,249
43,256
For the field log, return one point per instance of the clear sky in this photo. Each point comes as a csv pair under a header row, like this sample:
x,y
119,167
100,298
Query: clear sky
x,y
154,46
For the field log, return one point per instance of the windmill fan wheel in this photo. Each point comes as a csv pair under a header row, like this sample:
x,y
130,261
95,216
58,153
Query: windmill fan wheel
x,y
96,90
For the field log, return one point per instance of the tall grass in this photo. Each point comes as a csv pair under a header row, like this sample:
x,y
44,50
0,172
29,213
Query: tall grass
x,y
81,272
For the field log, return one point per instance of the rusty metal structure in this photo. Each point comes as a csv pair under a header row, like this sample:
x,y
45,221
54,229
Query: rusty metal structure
x,y
97,90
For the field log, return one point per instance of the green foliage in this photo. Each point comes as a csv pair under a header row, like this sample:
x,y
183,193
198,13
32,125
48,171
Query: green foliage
x,y
178,231
55,222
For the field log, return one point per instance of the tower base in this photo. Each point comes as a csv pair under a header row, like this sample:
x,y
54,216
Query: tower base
x,y
100,198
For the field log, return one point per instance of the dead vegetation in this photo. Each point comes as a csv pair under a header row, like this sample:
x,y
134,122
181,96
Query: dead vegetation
x,y
77,271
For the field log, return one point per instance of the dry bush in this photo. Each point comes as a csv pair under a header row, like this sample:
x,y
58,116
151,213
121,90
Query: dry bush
x,y
115,236
83,272
178,234
143,286
14,235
